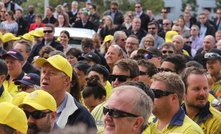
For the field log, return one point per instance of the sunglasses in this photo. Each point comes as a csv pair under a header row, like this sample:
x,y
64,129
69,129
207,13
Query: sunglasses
x,y
170,52
189,42
36,114
137,7
163,12
212,55
151,28
150,56
121,78
24,87
165,70
114,113
143,73
49,31
159,93
166,23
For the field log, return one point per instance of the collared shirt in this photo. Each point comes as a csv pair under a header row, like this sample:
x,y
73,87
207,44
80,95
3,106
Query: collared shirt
x,y
203,30
74,12
83,23
60,109
4,95
197,43
47,44
113,14
139,14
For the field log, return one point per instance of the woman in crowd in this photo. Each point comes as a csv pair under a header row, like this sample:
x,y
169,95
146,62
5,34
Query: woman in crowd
x,y
147,41
10,23
186,30
38,23
106,44
64,39
108,28
130,14
127,22
2,14
72,55
61,21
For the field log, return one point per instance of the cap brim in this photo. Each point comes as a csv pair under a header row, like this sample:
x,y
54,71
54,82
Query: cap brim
x,y
7,54
141,51
18,82
34,105
41,61
211,58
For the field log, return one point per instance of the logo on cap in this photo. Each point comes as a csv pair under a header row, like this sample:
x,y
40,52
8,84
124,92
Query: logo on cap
x,y
13,52
27,77
33,95
90,55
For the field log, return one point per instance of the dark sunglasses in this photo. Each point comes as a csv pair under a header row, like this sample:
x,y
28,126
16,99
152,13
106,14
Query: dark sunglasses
x,y
166,23
137,7
24,87
151,28
170,52
121,78
114,113
163,12
189,42
159,93
150,56
49,31
143,73
36,114
165,70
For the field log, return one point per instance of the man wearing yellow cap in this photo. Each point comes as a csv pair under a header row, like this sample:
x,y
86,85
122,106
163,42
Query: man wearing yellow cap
x,y
56,74
40,109
12,119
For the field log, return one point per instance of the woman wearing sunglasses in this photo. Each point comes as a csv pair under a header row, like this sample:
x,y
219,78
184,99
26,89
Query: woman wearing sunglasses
x,y
38,23
10,23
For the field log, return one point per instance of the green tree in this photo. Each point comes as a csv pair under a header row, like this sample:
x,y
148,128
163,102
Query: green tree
x,y
218,4
155,5
192,3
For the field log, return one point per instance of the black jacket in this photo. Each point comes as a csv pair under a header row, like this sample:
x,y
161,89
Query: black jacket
x,y
210,29
140,34
95,19
118,18
217,24
72,17
37,47
78,24
28,68
22,26
145,19
105,31
52,20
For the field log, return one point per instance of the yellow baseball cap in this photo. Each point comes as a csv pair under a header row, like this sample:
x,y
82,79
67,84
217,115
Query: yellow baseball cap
x,y
28,36
18,98
169,35
38,33
40,100
8,37
58,62
108,38
13,116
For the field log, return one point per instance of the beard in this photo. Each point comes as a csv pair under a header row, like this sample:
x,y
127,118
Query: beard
x,y
197,106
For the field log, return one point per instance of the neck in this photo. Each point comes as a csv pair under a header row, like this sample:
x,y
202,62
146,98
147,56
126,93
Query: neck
x,y
49,16
48,41
59,98
191,112
194,36
179,51
154,35
111,66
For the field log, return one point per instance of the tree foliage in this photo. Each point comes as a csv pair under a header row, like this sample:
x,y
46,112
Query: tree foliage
x,y
192,3
218,4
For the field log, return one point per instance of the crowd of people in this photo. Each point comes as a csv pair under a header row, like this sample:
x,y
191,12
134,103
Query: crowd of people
x,y
135,75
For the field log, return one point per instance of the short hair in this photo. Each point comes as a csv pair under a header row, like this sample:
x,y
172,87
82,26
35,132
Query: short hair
x,y
218,32
114,3
150,67
153,23
173,83
74,2
19,10
142,106
7,129
101,69
82,66
39,16
202,14
165,9
76,52
193,63
196,26
4,68
191,70
25,43
139,3
117,35
57,52
50,25
128,65
94,7
94,87
87,43
46,49
179,62
168,44
121,51
51,8
135,37
149,36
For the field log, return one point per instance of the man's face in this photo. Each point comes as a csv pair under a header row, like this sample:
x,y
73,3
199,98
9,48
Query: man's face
x,y
136,23
202,19
49,35
218,36
177,29
186,17
31,9
48,12
74,6
197,92
152,29
166,65
145,78
113,8
2,131
207,14
84,18
219,44
119,125
149,13
167,51
119,71
155,60
18,14
164,13
213,67
194,31
161,105
21,47
208,43
81,76
166,25
42,125
177,41
14,66
138,8
131,44
121,41
52,80
112,55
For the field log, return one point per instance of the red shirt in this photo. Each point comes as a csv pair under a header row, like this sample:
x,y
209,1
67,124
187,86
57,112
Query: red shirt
x,y
34,25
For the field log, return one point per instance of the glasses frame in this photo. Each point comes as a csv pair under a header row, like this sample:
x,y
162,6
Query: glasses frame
x,y
121,78
165,70
36,114
160,93
114,113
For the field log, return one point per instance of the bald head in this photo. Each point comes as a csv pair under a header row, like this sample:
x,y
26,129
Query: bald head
x,y
178,42
208,43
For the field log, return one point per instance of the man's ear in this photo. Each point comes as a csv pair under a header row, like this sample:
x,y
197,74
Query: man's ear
x,y
138,123
17,132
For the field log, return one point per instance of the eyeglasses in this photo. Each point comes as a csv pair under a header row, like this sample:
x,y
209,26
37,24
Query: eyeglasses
x,y
24,87
121,78
202,18
114,113
122,39
148,41
212,55
163,12
49,31
143,73
159,93
151,28
137,7
170,52
36,114
189,42
165,70
150,56
166,23
131,43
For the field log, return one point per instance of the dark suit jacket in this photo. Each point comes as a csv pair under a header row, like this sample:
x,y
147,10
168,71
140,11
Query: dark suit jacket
x,y
72,17
78,24
22,26
140,34
52,20
145,19
28,68
118,18
215,21
210,29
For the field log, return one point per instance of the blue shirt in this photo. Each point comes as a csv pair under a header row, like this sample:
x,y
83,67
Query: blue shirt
x,y
196,43
203,30
60,109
